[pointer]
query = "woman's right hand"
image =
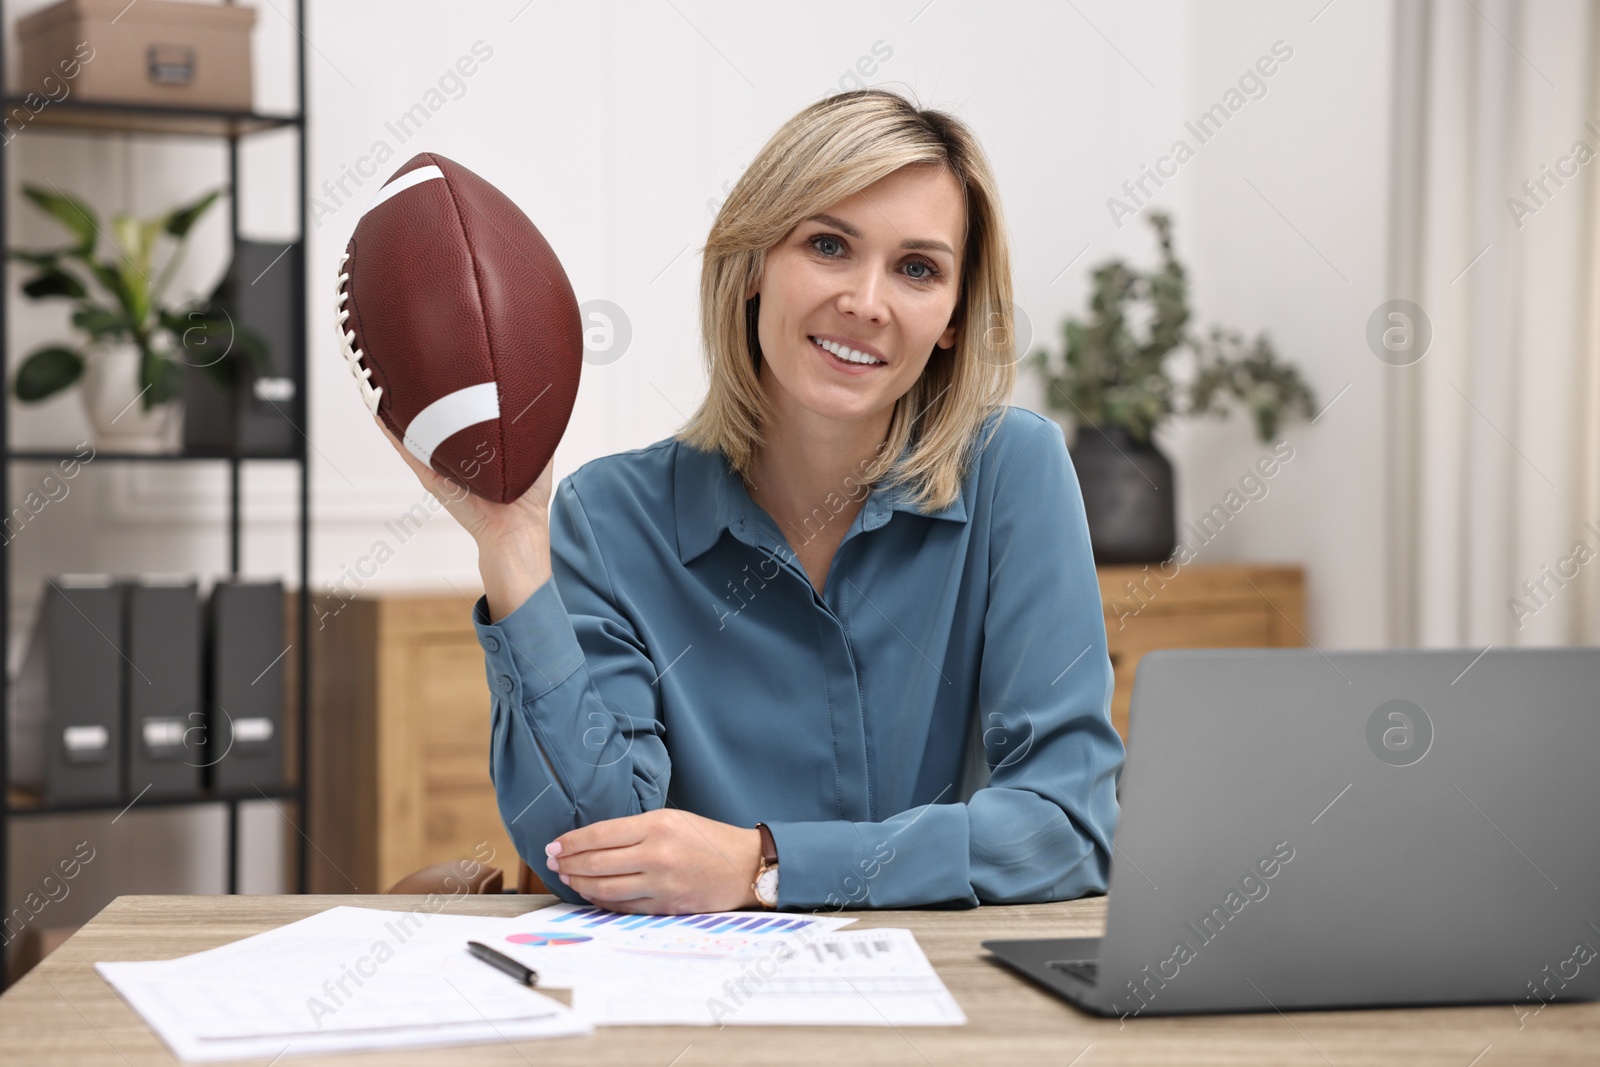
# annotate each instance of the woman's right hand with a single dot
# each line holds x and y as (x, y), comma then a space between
(513, 539)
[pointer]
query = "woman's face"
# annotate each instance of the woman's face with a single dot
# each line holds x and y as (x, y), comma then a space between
(877, 272)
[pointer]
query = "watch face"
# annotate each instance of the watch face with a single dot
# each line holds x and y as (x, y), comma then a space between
(767, 887)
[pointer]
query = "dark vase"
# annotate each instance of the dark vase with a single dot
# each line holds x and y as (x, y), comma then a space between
(1128, 495)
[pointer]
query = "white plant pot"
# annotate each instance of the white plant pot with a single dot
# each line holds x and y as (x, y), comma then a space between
(113, 401)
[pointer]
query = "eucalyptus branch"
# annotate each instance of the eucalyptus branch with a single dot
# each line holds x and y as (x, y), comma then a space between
(1112, 374)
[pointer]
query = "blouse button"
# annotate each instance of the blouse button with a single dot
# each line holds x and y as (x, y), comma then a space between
(505, 683)
(490, 643)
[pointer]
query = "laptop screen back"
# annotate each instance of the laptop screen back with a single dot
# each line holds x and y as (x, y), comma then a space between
(1357, 827)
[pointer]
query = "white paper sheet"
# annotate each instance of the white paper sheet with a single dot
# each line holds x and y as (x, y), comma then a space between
(344, 979)
(850, 977)
(350, 979)
(572, 945)
(732, 968)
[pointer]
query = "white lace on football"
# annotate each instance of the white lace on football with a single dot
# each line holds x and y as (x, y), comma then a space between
(347, 341)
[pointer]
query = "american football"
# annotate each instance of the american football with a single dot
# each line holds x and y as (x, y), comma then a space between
(461, 327)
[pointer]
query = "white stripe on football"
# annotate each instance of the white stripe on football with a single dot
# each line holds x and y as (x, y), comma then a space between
(404, 182)
(451, 414)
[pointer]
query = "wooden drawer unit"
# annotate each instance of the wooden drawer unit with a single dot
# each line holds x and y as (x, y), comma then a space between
(1197, 607)
(400, 709)
(400, 732)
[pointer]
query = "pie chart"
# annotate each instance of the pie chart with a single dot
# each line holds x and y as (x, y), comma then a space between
(548, 940)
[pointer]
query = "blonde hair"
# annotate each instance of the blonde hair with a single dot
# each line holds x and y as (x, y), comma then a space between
(826, 153)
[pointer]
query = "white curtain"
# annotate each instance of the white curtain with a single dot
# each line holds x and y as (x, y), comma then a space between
(1492, 498)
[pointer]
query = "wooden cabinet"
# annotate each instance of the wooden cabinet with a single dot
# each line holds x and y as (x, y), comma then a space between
(400, 709)
(400, 742)
(1220, 606)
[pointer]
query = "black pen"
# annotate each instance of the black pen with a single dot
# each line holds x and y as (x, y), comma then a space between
(499, 960)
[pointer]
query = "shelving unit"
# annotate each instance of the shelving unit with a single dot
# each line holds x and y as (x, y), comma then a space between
(76, 118)
(149, 118)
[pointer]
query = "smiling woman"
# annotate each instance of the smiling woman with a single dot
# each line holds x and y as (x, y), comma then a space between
(908, 550)
(851, 216)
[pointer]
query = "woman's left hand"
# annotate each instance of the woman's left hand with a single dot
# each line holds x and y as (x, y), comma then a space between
(664, 862)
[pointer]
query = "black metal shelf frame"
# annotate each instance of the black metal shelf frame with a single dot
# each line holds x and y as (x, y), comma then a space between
(75, 808)
(81, 119)
(79, 115)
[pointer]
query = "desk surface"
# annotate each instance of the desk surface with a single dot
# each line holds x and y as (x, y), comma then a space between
(62, 1012)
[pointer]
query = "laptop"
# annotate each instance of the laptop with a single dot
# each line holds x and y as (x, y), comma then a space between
(1349, 829)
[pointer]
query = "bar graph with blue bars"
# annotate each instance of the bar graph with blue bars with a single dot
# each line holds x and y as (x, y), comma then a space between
(589, 918)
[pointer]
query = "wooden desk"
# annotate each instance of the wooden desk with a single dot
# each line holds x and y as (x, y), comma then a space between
(62, 1012)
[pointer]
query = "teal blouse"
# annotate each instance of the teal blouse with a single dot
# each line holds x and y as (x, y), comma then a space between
(932, 729)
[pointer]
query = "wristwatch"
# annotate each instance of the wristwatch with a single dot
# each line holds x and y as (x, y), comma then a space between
(766, 883)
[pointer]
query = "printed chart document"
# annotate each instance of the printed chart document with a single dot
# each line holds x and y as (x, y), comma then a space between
(345, 979)
(731, 968)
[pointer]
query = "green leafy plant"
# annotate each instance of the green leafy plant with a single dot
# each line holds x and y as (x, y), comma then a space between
(120, 296)
(1118, 365)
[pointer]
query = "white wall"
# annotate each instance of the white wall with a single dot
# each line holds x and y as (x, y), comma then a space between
(618, 129)
(1300, 255)
(617, 126)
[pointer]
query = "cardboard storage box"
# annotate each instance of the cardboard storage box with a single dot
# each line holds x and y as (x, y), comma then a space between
(151, 52)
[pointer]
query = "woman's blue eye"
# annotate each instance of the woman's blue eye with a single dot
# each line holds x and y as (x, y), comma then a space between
(930, 270)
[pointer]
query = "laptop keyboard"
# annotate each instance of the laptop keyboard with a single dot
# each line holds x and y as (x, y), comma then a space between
(1085, 971)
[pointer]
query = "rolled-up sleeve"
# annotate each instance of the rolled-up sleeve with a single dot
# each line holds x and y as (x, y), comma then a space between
(561, 755)
(1041, 829)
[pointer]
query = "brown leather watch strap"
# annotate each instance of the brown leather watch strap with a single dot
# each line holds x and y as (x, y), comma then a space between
(769, 848)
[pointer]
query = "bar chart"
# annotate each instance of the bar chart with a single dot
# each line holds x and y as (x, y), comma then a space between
(717, 923)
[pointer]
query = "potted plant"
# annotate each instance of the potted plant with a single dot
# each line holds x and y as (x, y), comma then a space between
(1121, 376)
(133, 342)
